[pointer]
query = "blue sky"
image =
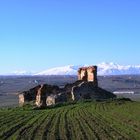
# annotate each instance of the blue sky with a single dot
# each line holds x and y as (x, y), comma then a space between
(40, 34)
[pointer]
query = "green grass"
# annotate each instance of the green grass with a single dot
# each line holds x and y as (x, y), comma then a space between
(118, 120)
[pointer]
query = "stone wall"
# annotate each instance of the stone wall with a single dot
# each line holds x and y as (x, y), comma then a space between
(87, 90)
(21, 99)
(51, 100)
(43, 95)
(88, 74)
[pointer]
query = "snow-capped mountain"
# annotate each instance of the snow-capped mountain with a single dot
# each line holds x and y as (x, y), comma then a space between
(66, 70)
(116, 69)
(103, 69)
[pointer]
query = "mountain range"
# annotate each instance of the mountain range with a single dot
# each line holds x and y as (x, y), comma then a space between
(103, 69)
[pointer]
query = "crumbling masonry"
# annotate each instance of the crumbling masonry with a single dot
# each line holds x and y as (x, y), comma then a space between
(88, 74)
(85, 88)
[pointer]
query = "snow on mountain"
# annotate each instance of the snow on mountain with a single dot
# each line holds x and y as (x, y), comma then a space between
(21, 72)
(103, 69)
(66, 70)
(115, 69)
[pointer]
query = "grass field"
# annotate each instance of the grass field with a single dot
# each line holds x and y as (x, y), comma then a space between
(118, 120)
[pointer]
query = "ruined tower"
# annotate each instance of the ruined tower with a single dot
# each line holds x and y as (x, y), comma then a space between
(88, 74)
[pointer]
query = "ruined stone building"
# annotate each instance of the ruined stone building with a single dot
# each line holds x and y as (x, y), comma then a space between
(88, 74)
(85, 88)
(42, 95)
